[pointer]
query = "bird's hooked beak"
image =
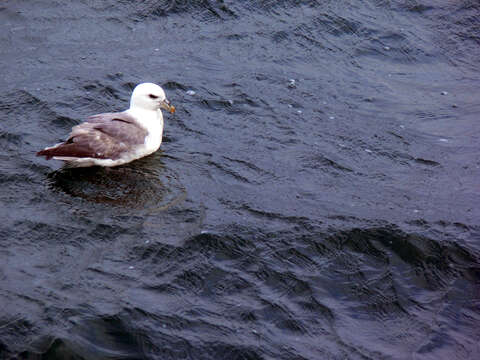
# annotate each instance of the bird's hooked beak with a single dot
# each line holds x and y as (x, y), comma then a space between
(165, 104)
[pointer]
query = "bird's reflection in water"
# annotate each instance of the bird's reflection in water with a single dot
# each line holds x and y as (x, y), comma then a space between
(143, 184)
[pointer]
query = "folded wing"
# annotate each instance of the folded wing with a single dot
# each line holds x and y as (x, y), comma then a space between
(103, 136)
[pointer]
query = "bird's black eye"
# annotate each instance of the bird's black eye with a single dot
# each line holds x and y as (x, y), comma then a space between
(151, 96)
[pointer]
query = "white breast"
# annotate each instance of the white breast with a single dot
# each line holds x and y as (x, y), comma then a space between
(152, 121)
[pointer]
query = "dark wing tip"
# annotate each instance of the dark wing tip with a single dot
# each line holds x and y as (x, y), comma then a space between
(45, 153)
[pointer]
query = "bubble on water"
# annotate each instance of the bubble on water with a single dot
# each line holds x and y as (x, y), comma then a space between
(190, 92)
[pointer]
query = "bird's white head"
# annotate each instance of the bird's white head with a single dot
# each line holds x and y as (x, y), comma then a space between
(149, 96)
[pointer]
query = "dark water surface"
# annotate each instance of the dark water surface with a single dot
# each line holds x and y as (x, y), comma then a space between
(316, 197)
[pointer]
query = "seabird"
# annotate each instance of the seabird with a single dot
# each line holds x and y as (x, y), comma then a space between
(112, 139)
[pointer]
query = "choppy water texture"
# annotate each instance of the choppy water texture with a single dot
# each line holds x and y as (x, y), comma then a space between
(316, 196)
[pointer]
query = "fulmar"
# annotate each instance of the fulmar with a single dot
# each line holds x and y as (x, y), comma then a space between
(112, 139)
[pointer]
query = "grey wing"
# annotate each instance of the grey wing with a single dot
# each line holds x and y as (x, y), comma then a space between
(119, 126)
(103, 136)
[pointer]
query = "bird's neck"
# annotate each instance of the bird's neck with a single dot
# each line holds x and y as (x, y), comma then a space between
(152, 120)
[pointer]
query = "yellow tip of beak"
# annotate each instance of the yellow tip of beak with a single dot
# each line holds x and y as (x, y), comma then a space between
(172, 109)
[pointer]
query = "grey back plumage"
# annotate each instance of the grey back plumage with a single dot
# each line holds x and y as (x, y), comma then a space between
(102, 136)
